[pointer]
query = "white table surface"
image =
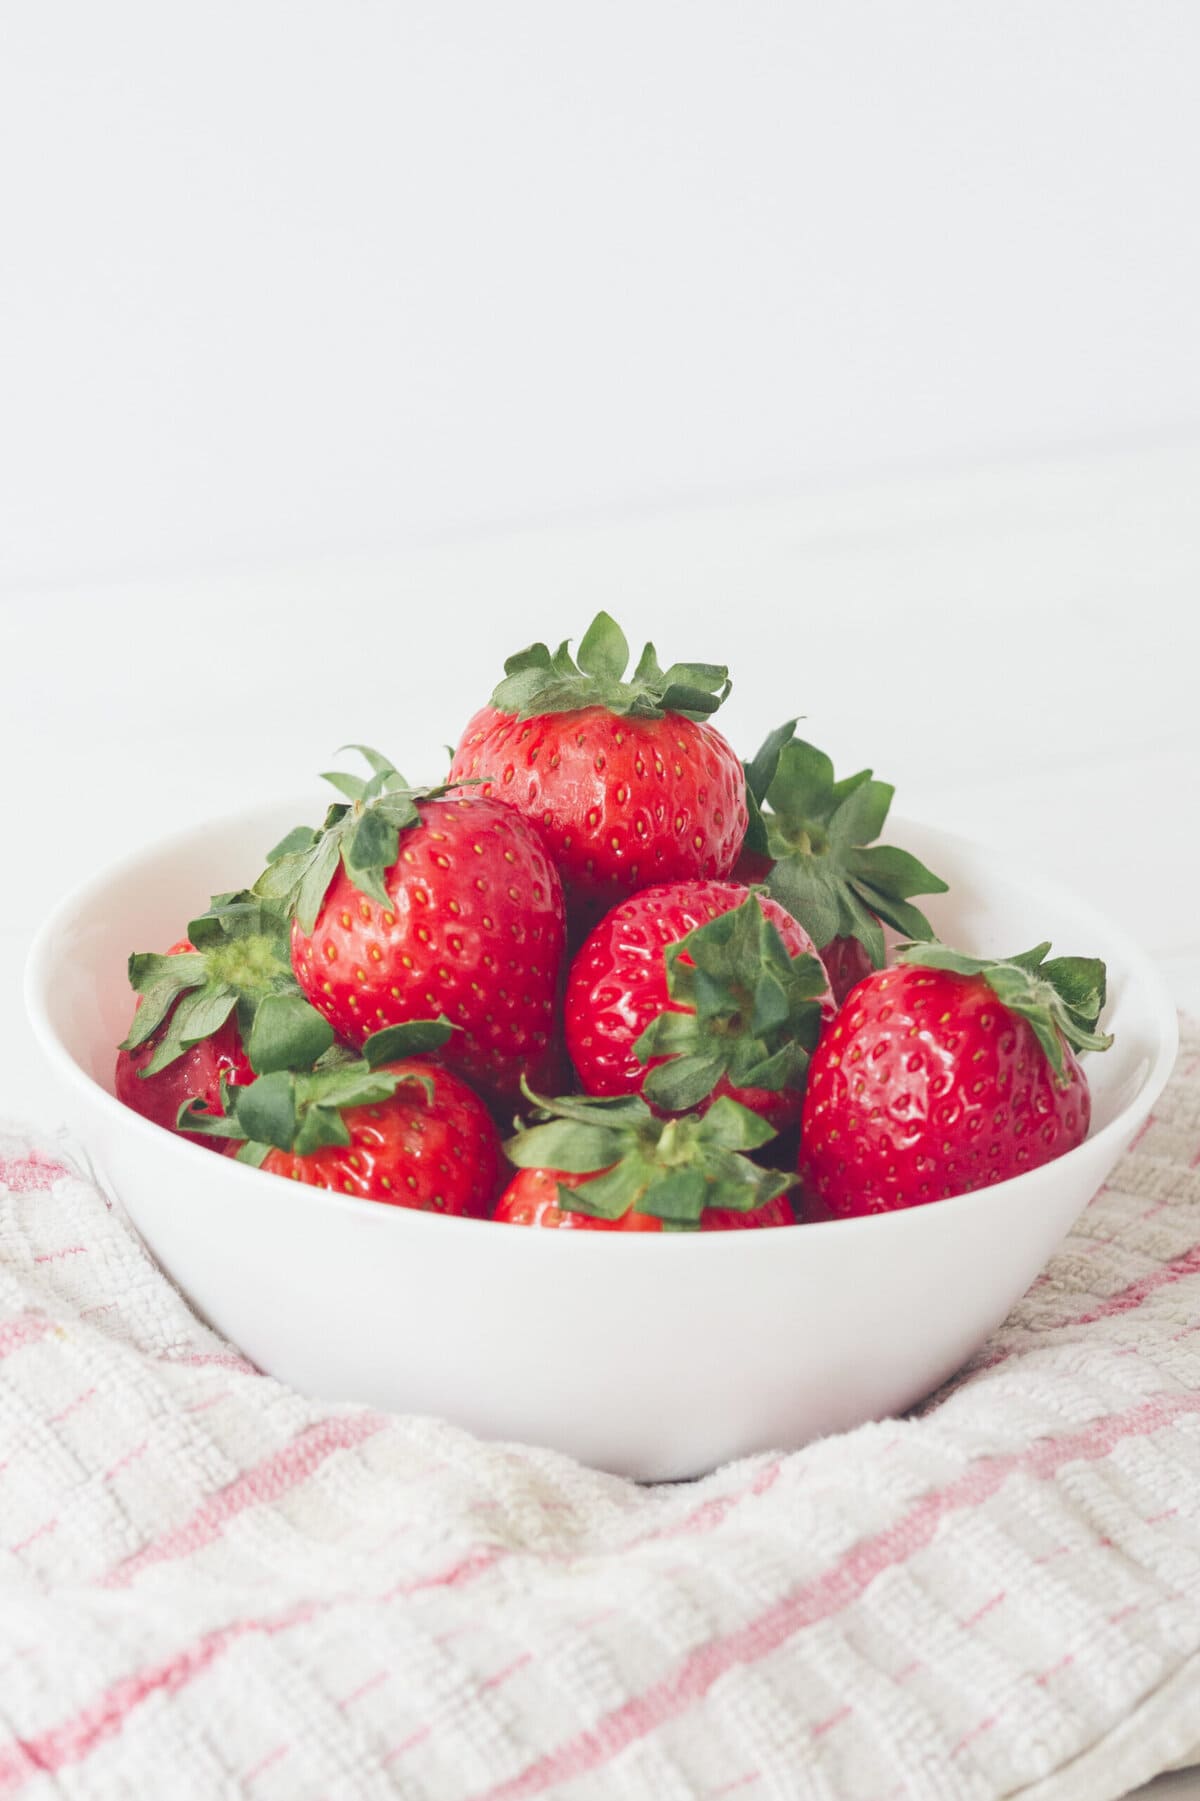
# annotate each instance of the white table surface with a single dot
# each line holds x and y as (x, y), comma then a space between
(1016, 648)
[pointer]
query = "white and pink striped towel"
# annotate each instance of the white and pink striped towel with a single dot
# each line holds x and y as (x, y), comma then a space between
(210, 1586)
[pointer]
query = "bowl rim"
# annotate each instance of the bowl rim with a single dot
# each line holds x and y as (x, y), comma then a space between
(38, 975)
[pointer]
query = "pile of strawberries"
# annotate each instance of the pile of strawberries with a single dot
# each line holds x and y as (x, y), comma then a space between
(663, 971)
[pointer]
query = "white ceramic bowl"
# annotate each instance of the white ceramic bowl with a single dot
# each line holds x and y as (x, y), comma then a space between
(654, 1356)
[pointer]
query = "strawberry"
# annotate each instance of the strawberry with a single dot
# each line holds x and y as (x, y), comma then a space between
(948, 1073)
(847, 961)
(696, 989)
(812, 840)
(628, 784)
(198, 1006)
(611, 1165)
(198, 1073)
(408, 902)
(387, 1127)
(534, 1197)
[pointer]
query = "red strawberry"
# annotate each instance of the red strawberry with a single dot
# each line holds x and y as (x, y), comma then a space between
(949, 1073)
(407, 904)
(752, 867)
(194, 1026)
(627, 1171)
(847, 961)
(403, 1131)
(197, 1074)
(695, 989)
(812, 840)
(534, 1198)
(627, 783)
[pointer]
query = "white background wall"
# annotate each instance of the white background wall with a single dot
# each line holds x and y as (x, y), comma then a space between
(283, 277)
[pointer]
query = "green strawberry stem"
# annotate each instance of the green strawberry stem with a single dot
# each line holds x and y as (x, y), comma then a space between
(538, 680)
(673, 1169)
(820, 834)
(363, 833)
(241, 961)
(1062, 999)
(301, 1110)
(753, 1012)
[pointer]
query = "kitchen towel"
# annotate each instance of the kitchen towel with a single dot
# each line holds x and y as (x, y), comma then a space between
(212, 1586)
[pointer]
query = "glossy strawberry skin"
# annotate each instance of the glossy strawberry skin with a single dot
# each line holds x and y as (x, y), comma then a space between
(617, 984)
(196, 1075)
(623, 802)
(927, 1087)
(435, 1150)
(531, 1199)
(477, 931)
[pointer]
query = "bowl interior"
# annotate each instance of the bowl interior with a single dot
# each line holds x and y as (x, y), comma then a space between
(81, 1003)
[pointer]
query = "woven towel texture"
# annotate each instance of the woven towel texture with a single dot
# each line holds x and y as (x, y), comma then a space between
(211, 1586)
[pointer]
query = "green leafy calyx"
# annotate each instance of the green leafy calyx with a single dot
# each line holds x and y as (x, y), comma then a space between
(752, 1012)
(828, 870)
(363, 833)
(301, 1110)
(1061, 997)
(673, 1169)
(538, 680)
(240, 965)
